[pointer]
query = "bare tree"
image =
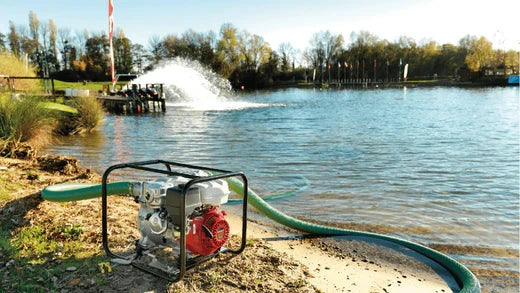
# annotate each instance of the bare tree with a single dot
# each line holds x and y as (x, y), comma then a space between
(53, 37)
(155, 46)
(44, 29)
(14, 39)
(64, 38)
(287, 55)
(80, 39)
(34, 25)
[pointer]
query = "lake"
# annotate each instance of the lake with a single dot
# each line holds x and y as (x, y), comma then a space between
(438, 166)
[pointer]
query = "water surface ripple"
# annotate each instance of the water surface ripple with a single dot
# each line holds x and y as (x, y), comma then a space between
(438, 166)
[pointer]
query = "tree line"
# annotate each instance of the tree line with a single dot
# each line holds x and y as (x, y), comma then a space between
(247, 59)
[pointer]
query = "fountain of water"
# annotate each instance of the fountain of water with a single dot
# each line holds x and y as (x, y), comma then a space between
(189, 85)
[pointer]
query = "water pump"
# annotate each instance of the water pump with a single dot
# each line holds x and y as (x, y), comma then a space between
(180, 218)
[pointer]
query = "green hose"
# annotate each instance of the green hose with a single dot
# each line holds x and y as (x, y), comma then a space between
(79, 191)
(464, 277)
(278, 195)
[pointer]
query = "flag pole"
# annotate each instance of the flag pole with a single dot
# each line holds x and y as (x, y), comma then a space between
(110, 35)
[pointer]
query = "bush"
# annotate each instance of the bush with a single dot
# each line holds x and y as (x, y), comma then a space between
(23, 121)
(88, 118)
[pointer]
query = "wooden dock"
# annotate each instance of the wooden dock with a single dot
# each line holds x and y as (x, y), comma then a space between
(129, 105)
(136, 100)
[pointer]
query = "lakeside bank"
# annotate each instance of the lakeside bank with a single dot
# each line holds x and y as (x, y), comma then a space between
(57, 246)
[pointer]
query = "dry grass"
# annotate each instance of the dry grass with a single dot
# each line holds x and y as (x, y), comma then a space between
(90, 113)
(12, 65)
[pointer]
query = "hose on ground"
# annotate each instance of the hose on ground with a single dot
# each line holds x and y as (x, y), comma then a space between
(464, 277)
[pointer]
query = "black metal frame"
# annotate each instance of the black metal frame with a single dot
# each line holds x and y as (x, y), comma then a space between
(143, 166)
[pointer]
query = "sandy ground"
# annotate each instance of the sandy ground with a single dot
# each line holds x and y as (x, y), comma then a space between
(275, 260)
(355, 264)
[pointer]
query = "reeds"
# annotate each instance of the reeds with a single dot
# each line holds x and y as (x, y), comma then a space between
(90, 113)
(87, 119)
(23, 121)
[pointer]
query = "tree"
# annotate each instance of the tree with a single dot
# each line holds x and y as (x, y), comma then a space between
(3, 45)
(65, 47)
(427, 57)
(138, 57)
(270, 68)
(155, 47)
(44, 29)
(253, 51)
(123, 62)
(287, 56)
(170, 47)
(511, 60)
(447, 63)
(326, 46)
(80, 41)
(207, 45)
(53, 37)
(34, 26)
(228, 49)
(480, 54)
(14, 39)
(96, 57)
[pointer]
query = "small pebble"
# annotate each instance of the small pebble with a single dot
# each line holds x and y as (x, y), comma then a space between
(71, 269)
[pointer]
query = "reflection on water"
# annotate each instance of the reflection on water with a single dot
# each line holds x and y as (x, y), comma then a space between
(439, 165)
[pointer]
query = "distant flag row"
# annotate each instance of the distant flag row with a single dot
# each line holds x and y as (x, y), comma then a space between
(357, 63)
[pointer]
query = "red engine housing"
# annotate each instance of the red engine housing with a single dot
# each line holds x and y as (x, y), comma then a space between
(208, 232)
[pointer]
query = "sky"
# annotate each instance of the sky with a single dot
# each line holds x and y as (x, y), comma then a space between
(277, 21)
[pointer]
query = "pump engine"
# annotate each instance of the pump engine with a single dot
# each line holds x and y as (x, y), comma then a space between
(179, 217)
(159, 213)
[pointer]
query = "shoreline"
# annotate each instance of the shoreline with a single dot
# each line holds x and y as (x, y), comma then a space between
(308, 85)
(303, 264)
(383, 85)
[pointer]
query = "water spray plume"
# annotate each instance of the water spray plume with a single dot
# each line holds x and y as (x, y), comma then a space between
(191, 86)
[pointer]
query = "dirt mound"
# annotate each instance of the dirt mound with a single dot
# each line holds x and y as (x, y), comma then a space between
(17, 150)
(59, 164)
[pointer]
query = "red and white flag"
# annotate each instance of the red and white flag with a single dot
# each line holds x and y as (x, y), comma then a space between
(110, 35)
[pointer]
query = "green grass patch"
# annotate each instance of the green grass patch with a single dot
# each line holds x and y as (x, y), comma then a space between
(38, 242)
(7, 187)
(59, 107)
(40, 254)
(39, 278)
(5, 244)
(92, 85)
